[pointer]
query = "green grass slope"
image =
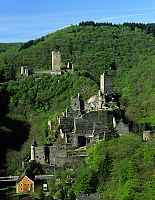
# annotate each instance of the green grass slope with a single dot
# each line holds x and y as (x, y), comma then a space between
(119, 169)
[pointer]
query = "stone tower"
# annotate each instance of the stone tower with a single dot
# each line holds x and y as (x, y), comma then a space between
(102, 83)
(22, 70)
(33, 145)
(106, 84)
(114, 122)
(102, 92)
(100, 100)
(56, 61)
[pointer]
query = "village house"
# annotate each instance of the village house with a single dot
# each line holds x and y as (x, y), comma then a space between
(24, 185)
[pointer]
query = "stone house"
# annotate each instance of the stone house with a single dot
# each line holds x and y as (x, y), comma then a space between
(57, 156)
(87, 121)
(80, 131)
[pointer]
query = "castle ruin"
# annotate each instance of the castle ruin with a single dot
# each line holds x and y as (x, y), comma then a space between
(83, 123)
(57, 67)
(25, 71)
(98, 102)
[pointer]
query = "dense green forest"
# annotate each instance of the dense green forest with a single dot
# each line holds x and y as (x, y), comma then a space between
(127, 52)
(127, 49)
(5, 47)
(119, 169)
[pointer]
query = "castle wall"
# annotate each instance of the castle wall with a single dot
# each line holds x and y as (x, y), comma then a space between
(58, 156)
(100, 117)
(40, 154)
(102, 83)
(147, 136)
(108, 85)
(122, 128)
(32, 153)
(105, 84)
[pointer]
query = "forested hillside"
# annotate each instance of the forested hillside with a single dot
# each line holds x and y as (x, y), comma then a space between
(4, 47)
(128, 51)
(94, 48)
(119, 169)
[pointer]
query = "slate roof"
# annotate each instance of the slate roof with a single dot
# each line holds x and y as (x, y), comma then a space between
(98, 120)
(21, 177)
(82, 124)
(66, 124)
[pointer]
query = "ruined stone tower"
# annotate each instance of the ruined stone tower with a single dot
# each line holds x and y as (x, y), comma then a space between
(102, 84)
(56, 61)
(106, 84)
(100, 100)
(102, 92)
(33, 145)
(22, 70)
(32, 153)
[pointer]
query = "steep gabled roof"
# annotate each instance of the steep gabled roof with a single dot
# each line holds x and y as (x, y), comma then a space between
(21, 177)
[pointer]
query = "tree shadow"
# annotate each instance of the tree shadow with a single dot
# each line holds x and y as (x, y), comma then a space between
(13, 133)
(4, 102)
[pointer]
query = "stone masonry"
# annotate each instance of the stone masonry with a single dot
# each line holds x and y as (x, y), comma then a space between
(56, 62)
